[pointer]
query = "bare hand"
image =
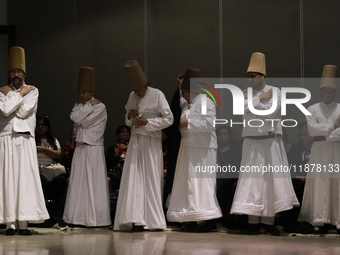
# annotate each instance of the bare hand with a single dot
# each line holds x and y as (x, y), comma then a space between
(183, 124)
(141, 122)
(180, 79)
(122, 147)
(26, 89)
(133, 113)
(94, 102)
(41, 149)
(6, 89)
(245, 96)
(337, 123)
(266, 95)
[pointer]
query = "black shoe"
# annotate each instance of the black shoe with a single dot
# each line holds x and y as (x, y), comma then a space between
(25, 232)
(137, 228)
(271, 229)
(251, 229)
(322, 230)
(205, 226)
(10, 232)
(188, 226)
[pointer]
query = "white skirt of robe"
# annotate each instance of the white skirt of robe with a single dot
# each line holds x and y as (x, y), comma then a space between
(21, 195)
(263, 194)
(140, 194)
(193, 198)
(321, 197)
(88, 201)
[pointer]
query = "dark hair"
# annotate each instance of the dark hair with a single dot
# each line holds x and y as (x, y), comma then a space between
(229, 129)
(49, 136)
(121, 128)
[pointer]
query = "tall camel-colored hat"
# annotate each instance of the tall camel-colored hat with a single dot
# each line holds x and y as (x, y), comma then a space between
(329, 75)
(86, 79)
(16, 59)
(135, 75)
(257, 63)
(191, 72)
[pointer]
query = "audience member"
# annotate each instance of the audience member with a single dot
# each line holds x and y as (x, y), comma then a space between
(229, 156)
(52, 173)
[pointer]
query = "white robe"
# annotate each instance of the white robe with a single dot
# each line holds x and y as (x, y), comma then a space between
(88, 201)
(321, 197)
(21, 195)
(193, 195)
(140, 194)
(260, 194)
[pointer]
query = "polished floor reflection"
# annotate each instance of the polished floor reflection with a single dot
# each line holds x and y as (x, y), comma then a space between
(104, 241)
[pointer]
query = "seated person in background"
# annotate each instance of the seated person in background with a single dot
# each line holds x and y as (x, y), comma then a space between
(116, 154)
(228, 155)
(52, 173)
(115, 158)
(298, 157)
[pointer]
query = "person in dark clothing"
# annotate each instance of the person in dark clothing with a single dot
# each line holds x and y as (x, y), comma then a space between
(115, 158)
(174, 136)
(229, 155)
(298, 157)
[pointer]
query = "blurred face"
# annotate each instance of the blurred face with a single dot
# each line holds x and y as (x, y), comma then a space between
(16, 77)
(85, 95)
(327, 95)
(124, 134)
(141, 92)
(41, 129)
(223, 137)
(256, 80)
(305, 138)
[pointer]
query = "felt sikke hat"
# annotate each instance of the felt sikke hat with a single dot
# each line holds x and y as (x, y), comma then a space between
(257, 63)
(329, 75)
(191, 72)
(86, 79)
(16, 59)
(135, 75)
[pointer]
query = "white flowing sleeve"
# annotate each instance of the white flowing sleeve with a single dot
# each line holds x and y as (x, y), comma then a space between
(86, 115)
(206, 122)
(257, 104)
(30, 104)
(166, 118)
(80, 112)
(10, 102)
(315, 128)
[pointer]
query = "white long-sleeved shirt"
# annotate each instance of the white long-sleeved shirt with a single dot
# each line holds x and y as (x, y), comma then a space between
(89, 122)
(200, 131)
(154, 107)
(18, 113)
(321, 122)
(268, 126)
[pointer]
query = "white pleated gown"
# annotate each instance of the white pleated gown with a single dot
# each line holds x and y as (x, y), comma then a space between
(260, 194)
(193, 196)
(87, 201)
(320, 203)
(140, 193)
(21, 195)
